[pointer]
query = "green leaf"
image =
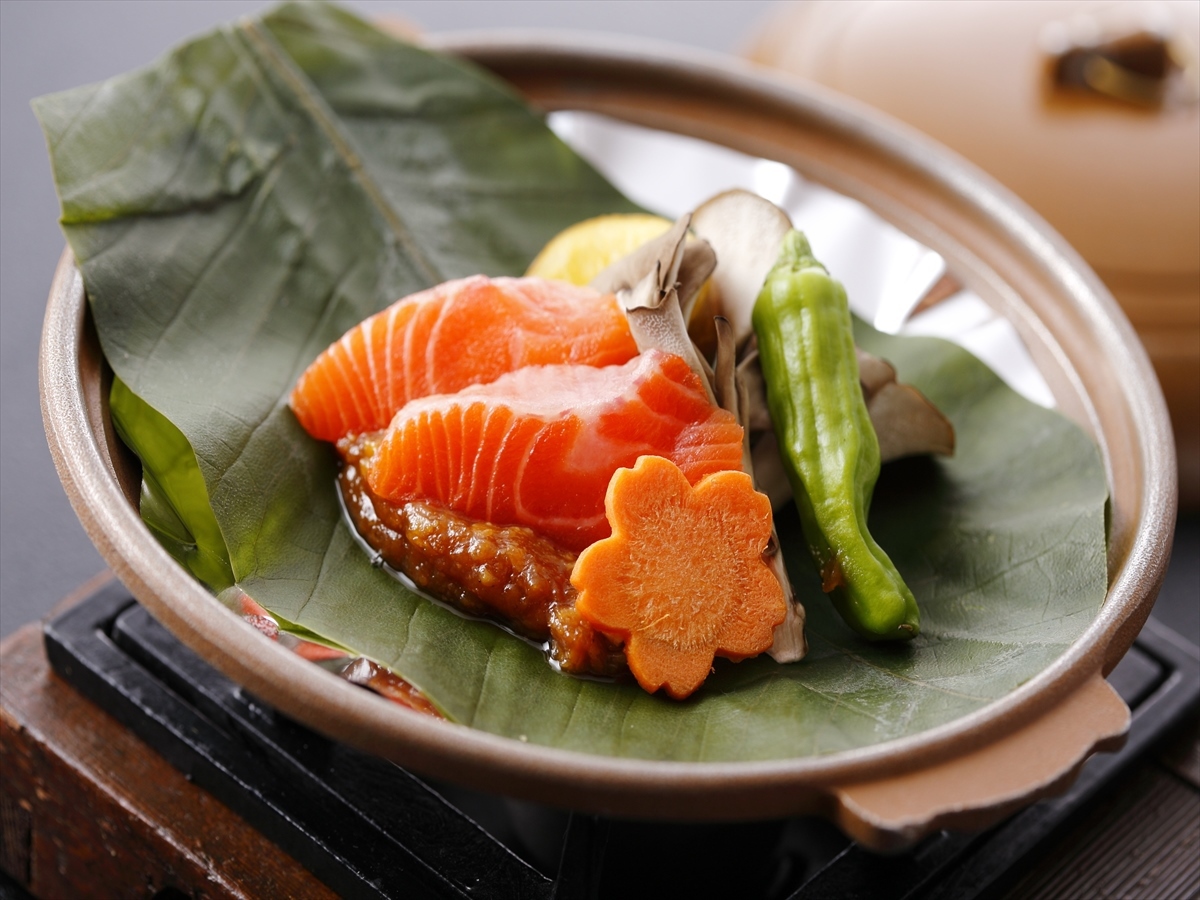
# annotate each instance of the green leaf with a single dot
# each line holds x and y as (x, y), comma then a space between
(240, 204)
(174, 500)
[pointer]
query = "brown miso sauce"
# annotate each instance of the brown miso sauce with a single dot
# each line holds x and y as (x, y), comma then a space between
(507, 575)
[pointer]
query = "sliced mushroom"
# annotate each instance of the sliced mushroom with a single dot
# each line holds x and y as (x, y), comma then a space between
(695, 267)
(905, 422)
(648, 285)
(751, 376)
(647, 282)
(660, 280)
(789, 644)
(746, 232)
(770, 477)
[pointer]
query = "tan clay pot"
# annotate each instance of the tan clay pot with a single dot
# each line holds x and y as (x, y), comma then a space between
(1118, 178)
(966, 774)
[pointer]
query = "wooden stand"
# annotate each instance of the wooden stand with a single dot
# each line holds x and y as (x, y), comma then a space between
(88, 810)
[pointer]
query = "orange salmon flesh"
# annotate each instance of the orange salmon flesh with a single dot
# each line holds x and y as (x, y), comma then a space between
(457, 334)
(538, 446)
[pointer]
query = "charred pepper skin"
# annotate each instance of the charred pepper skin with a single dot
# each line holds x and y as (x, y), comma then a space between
(829, 447)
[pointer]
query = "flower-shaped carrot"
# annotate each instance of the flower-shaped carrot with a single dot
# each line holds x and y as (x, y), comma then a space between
(682, 578)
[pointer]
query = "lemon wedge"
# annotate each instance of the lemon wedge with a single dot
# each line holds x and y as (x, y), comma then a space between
(581, 252)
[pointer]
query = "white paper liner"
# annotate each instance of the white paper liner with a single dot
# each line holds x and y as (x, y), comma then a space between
(886, 272)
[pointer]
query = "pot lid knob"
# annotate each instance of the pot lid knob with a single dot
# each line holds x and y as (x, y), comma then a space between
(1131, 53)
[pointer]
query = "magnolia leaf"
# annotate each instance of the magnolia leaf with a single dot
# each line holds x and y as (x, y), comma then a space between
(174, 500)
(237, 206)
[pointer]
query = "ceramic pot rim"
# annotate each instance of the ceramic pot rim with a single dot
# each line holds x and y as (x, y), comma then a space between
(642, 787)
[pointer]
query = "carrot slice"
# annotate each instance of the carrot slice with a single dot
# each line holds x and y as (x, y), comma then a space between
(682, 578)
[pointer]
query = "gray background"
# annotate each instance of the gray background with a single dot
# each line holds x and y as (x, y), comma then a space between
(51, 46)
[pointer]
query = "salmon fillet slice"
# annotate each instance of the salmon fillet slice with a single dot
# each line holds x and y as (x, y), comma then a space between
(461, 333)
(537, 447)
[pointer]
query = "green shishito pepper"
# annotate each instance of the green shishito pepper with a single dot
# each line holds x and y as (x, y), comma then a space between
(826, 439)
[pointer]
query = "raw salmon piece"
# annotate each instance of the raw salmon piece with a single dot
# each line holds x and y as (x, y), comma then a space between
(538, 446)
(459, 333)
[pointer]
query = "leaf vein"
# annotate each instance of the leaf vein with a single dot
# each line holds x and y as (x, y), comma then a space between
(950, 692)
(309, 99)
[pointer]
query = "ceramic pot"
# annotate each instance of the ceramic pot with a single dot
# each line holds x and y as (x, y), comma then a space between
(966, 774)
(1088, 109)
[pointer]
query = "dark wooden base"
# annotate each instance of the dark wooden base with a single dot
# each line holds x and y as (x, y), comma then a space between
(88, 810)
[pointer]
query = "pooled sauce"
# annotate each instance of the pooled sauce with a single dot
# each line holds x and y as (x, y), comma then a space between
(386, 683)
(360, 671)
(509, 574)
